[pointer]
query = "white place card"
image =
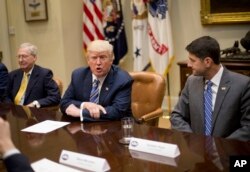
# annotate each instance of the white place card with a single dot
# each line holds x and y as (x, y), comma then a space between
(154, 147)
(46, 165)
(45, 126)
(82, 161)
(153, 157)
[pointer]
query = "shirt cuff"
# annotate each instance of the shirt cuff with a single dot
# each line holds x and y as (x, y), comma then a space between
(10, 153)
(81, 116)
(82, 105)
(36, 104)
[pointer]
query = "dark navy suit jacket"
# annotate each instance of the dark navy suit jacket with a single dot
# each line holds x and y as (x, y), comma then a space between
(17, 163)
(41, 87)
(3, 81)
(115, 95)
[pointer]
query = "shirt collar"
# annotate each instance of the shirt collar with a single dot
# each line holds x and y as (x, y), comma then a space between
(217, 77)
(30, 72)
(101, 80)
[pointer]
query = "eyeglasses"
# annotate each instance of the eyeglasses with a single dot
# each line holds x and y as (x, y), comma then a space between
(102, 58)
(23, 56)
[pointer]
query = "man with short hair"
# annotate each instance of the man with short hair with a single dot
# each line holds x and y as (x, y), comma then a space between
(101, 91)
(214, 101)
(32, 85)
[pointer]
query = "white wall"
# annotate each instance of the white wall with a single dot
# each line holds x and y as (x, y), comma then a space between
(59, 39)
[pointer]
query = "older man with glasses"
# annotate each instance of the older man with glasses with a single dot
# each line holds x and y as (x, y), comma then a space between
(100, 91)
(32, 85)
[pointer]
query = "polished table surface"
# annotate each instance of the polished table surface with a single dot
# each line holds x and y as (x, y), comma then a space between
(101, 139)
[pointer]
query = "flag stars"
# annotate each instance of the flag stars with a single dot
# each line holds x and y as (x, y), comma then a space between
(137, 52)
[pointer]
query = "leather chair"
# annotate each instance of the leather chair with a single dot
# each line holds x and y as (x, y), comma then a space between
(59, 84)
(148, 91)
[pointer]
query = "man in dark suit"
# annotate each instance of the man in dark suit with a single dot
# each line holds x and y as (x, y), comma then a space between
(230, 92)
(12, 158)
(112, 99)
(3, 81)
(32, 85)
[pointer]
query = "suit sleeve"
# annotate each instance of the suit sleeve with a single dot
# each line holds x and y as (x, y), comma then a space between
(68, 98)
(180, 117)
(243, 133)
(3, 82)
(17, 163)
(53, 96)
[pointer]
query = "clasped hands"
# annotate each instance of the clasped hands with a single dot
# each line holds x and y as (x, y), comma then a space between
(93, 108)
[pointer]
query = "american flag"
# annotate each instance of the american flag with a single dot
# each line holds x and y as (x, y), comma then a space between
(92, 21)
(103, 19)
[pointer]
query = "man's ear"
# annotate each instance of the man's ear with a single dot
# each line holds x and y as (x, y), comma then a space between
(208, 61)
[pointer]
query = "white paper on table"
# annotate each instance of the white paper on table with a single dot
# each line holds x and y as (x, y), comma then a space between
(46, 165)
(45, 126)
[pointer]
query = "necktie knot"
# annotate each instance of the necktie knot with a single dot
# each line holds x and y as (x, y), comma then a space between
(209, 84)
(96, 83)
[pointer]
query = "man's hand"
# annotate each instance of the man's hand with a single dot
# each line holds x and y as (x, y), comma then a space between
(5, 137)
(72, 110)
(94, 109)
(30, 105)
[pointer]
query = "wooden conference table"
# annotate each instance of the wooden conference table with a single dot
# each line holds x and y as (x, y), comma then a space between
(101, 139)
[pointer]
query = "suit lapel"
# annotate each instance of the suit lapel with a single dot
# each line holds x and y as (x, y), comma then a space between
(86, 89)
(200, 102)
(107, 84)
(221, 94)
(32, 81)
(17, 81)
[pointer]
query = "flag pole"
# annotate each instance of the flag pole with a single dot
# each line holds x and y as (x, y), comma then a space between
(146, 67)
(168, 98)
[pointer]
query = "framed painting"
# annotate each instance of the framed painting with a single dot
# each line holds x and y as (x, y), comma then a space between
(35, 10)
(225, 11)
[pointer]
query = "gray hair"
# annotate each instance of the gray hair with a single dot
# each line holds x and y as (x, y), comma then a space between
(30, 47)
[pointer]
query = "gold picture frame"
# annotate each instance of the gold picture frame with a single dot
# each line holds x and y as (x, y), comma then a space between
(35, 10)
(225, 11)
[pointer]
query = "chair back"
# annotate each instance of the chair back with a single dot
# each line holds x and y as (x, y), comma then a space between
(148, 91)
(59, 84)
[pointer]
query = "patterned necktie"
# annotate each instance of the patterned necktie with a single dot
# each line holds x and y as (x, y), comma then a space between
(208, 108)
(94, 95)
(20, 94)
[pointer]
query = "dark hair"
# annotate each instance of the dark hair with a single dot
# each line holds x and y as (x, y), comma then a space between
(205, 46)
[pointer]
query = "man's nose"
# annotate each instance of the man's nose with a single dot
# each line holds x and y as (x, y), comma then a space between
(98, 60)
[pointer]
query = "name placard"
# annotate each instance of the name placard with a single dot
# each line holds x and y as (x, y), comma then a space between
(153, 157)
(154, 147)
(83, 161)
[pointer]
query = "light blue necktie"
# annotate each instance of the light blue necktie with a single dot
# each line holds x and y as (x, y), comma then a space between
(208, 109)
(94, 95)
